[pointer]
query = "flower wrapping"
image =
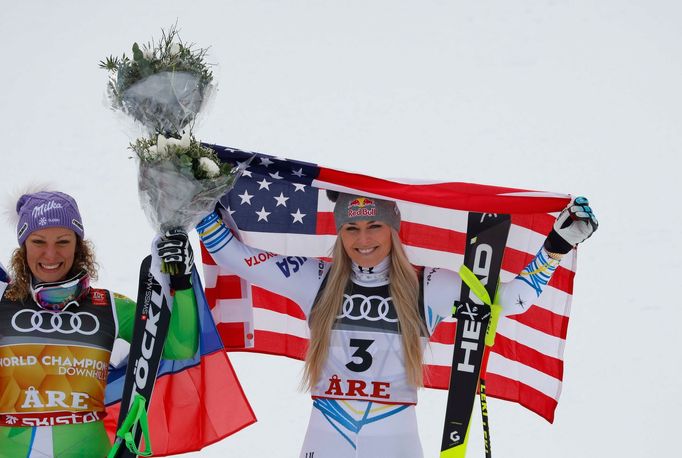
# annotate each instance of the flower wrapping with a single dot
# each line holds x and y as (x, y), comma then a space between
(165, 102)
(163, 87)
(172, 197)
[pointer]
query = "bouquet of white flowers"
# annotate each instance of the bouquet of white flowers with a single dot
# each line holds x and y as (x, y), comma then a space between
(179, 181)
(163, 88)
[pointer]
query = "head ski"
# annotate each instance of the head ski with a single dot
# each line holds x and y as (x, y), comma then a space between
(486, 239)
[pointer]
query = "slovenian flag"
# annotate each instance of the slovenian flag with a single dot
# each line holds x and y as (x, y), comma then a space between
(196, 402)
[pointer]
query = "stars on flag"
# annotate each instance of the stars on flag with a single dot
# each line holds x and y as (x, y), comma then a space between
(246, 197)
(298, 216)
(265, 161)
(274, 195)
(281, 200)
(264, 184)
(262, 214)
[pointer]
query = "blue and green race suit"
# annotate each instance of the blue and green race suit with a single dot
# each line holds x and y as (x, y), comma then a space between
(54, 366)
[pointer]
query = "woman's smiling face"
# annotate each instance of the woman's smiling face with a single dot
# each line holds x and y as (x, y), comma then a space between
(50, 253)
(367, 243)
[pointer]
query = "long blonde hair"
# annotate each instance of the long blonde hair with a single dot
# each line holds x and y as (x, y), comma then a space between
(19, 288)
(404, 291)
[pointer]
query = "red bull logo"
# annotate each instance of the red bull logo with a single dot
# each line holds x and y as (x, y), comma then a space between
(362, 206)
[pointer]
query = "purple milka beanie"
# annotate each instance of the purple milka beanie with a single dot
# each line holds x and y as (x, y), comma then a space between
(47, 209)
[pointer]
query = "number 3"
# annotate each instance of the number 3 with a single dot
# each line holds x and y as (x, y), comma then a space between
(366, 358)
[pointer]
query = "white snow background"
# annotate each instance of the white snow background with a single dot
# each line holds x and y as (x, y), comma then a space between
(580, 97)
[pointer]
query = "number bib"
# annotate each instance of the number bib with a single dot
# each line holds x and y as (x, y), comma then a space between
(54, 365)
(365, 360)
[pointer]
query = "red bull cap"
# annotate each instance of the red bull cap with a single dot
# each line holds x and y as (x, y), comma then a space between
(351, 208)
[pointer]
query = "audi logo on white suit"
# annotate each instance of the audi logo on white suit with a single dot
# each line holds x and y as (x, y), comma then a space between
(60, 322)
(364, 310)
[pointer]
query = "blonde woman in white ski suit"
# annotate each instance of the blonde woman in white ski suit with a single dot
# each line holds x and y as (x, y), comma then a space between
(370, 315)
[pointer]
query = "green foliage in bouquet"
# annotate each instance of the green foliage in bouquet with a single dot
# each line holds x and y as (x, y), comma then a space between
(169, 54)
(186, 153)
(163, 87)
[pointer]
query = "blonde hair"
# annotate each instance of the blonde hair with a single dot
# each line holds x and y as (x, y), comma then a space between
(19, 288)
(404, 291)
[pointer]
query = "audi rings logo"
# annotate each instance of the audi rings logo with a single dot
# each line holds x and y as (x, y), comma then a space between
(60, 322)
(370, 308)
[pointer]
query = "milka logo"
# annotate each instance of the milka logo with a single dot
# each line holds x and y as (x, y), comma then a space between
(42, 208)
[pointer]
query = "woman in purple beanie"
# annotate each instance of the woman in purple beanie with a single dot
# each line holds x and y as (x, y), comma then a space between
(57, 332)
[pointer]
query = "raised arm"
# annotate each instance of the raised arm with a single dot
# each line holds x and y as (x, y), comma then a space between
(182, 340)
(298, 278)
(574, 225)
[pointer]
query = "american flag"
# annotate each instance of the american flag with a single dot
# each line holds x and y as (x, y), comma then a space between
(280, 206)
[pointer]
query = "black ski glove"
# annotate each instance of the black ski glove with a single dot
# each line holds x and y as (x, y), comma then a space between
(176, 252)
(575, 224)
